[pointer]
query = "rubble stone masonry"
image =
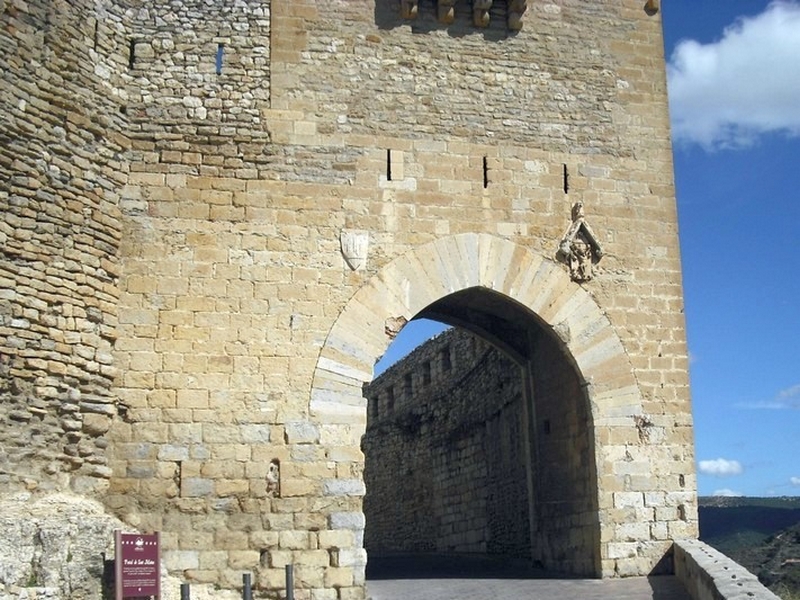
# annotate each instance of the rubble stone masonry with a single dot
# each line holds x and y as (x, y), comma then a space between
(215, 215)
(444, 454)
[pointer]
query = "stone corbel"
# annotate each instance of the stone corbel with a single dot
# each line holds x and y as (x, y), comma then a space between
(516, 8)
(480, 12)
(579, 248)
(409, 8)
(446, 11)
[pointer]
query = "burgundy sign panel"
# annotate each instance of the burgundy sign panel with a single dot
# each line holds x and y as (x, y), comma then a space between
(137, 565)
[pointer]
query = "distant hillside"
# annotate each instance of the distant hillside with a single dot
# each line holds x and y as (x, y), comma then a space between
(762, 534)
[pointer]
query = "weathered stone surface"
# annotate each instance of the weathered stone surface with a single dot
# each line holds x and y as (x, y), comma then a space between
(175, 179)
(707, 574)
(55, 546)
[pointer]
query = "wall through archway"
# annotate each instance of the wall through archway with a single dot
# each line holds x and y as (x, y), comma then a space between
(540, 291)
(470, 449)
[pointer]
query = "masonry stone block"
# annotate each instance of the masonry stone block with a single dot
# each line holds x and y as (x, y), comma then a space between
(181, 560)
(351, 521)
(338, 577)
(301, 433)
(196, 487)
(173, 453)
(255, 433)
(295, 540)
(343, 487)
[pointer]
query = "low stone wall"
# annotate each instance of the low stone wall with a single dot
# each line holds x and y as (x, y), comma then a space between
(708, 574)
(444, 463)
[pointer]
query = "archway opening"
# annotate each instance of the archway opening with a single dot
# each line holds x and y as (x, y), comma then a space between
(479, 448)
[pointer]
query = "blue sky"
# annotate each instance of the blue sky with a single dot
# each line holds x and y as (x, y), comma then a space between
(734, 81)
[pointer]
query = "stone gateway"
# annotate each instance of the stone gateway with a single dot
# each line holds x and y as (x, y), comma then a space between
(217, 215)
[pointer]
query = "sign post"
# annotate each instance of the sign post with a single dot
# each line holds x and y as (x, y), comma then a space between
(137, 565)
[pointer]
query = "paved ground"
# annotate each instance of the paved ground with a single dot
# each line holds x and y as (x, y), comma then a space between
(438, 578)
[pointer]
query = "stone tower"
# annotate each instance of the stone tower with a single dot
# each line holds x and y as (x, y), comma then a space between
(216, 216)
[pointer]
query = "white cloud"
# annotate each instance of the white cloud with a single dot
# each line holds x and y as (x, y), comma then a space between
(788, 398)
(726, 492)
(727, 93)
(720, 467)
(794, 480)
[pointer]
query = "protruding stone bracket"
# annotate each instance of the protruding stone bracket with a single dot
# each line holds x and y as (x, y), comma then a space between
(446, 11)
(480, 12)
(409, 8)
(579, 248)
(394, 325)
(516, 8)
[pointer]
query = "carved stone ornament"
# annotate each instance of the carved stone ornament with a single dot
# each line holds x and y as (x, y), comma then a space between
(355, 247)
(393, 325)
(274, 479)
(579, 248)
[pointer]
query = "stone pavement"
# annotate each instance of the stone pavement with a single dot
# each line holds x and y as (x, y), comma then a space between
(435, 578)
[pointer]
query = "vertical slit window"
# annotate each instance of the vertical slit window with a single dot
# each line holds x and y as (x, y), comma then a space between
(132, 54)
(485, 173)
(388, 165)
(220, 56)
(375, 407)
(566, 179)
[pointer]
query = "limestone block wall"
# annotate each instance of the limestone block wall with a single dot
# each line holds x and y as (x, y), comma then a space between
(454, 466)
(564, 476)
(61, 163)
(197, 83)
(195, 63)
(486, 81)
(445, 468)
(172, 262)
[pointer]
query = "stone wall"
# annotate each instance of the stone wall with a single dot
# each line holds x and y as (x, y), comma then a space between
(454, 465)
(179, 322)
(565, 468)
(445, 468)
(61, 163)
(707, 574)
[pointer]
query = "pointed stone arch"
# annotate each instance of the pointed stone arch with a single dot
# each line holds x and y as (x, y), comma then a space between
(410, 283)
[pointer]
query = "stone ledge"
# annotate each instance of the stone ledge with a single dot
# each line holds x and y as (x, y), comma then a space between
(708, 574)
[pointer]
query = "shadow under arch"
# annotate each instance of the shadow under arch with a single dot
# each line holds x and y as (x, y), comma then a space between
(503, 292)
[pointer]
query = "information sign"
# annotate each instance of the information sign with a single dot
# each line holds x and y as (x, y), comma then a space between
(138, 560)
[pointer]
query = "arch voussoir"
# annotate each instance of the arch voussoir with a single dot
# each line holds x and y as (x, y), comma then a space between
(426, 274)
(429, 273)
